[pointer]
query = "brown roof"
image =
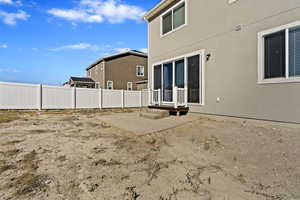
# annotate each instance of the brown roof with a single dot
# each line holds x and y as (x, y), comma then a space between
(118, 55)
(82, 79)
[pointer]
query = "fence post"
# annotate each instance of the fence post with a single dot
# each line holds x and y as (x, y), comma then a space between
(122, 96)
(74, 98)
(39, 97)
(141, 98)
(100, 98)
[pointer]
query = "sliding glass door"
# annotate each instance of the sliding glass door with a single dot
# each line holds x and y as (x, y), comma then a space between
(168, 82)
(185, 72)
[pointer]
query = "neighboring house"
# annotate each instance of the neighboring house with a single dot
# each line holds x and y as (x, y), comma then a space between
(127, 70)
(82, 82)
(233, 57)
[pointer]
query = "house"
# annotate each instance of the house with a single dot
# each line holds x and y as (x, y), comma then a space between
(126, 70)
(227, 57)
(82, 82)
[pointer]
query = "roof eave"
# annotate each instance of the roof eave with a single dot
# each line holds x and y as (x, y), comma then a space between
(154, 10)
(113, 55)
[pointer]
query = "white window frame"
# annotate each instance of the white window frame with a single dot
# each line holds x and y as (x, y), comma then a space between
(261, 52)
(202, 58)
(112, 85)
(137, 70)
(172, 9)
(131, 86)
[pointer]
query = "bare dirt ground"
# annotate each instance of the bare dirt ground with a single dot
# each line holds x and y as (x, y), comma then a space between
(66, 155)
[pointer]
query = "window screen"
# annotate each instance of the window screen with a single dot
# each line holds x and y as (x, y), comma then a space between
(194, 79)
(179, 15)
(294, 52)
(275, 55)
(167, 22)
(157, 77)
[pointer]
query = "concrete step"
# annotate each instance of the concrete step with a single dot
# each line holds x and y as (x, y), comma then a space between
(154, 113)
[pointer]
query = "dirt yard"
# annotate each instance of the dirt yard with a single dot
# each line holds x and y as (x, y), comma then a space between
(66, 155)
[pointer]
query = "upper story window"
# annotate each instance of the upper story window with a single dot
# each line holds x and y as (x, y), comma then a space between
(88, 73)
(279, 54)
(174, 18)
(140, 70)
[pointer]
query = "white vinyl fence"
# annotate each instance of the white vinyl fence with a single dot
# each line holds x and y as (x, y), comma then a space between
(29, 96)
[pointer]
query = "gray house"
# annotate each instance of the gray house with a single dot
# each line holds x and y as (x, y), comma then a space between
(227, 57)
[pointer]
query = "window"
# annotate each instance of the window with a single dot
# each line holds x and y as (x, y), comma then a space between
(129, 86)
(174, 18)
(179, 16)
(294, 52)
(279, 54)
(275, 55)
(140, 70)
(110, 85)
(167, 22)
(89, 73)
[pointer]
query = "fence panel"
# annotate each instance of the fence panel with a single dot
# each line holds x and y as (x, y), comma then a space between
(57, 97)
(132, 99)
(111, 98)
(145, 98)
(30, 96)
(87, 98)
(19, 96)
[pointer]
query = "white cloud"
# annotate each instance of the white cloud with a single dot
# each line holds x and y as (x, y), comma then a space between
(97, 11)
(76, 15)
(120, 50)
(9, 70)
(11, 18)
(6, 1)
(3, 46)
(145, 50)
(11, 2)
(79, 46)
(83, 46)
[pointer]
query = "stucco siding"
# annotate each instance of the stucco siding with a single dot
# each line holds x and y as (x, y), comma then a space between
(231, 72)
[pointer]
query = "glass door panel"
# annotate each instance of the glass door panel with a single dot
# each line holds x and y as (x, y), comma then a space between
(179, 73)
(168, 82)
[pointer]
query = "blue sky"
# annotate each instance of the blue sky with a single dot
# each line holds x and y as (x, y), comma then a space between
(46, 41)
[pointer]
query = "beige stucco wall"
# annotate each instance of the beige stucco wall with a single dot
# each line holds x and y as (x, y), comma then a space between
(231, 73)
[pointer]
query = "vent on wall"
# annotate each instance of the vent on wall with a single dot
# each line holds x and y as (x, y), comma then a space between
(232, 1)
